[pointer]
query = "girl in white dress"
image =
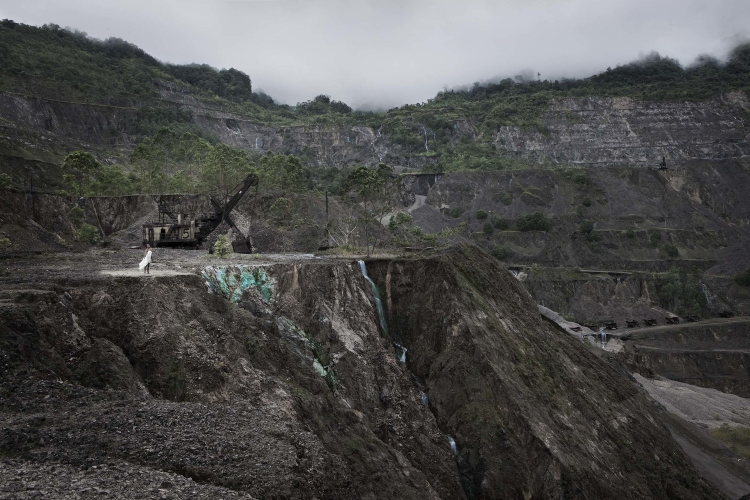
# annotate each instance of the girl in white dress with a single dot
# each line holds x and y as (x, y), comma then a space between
(145, 264)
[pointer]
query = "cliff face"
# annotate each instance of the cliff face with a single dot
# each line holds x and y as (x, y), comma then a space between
(282, 382)
(625, 131)
(711, 354)
(587, 131)
(698, 206)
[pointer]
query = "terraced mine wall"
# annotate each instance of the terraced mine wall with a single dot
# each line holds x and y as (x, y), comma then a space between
(279, 379)
(636, 215)
(714, 354)
(594, 297)
(628, 132)
(586, 131)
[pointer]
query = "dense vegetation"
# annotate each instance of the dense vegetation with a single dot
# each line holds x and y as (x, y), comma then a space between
(67, 65)
(680, 292)
(454, 131)
(452, 126)
(173, 162)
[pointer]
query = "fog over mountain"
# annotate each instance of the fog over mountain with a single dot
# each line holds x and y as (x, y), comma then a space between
(378, 54)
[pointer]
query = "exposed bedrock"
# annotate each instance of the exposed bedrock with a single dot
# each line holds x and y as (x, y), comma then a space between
(278, 380)
(713, 354)
(533, 413)
(591, 131)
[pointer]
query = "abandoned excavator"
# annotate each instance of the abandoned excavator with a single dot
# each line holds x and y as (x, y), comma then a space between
(175, 228)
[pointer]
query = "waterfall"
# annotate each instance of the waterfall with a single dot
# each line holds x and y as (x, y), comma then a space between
(603, 336)
(708, 296)
(452, 442)
(400, 352)
(378, 302)
(425, 399)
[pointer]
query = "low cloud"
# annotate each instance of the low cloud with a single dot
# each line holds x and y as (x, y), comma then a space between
(379, 54)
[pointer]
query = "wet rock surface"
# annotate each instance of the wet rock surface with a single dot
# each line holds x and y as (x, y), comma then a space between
(299, 393)
(156, 372)
(532, 411)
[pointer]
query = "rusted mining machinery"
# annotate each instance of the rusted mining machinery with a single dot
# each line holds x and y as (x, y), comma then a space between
(174, 228)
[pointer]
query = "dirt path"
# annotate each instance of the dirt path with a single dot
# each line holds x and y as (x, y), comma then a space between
(711, 470)
(689, 326)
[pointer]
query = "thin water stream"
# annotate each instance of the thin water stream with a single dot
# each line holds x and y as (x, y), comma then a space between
(378, 302)
(400, 349)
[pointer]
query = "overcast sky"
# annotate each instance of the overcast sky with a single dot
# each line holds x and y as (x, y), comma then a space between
(383, 53)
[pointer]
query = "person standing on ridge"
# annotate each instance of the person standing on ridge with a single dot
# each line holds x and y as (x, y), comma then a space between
(145, 264)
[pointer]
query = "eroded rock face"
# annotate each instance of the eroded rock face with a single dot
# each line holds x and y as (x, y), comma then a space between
(533, 413)
(298, 392)
(592, 131)
(712, 354)
(625, 131)
(234, 397)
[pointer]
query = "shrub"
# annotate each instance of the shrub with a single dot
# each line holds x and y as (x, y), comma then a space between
(5, 181)
(5, 243)
(76, 215)
(671, 250)
(630, 233)
(488, 228)
(88, 234)
(533, 222)
(654, 237)
(501, 223)
(222, 247)
(578, 176)
(500, 253)
(586, 226)
(281, 210)
(400, 219)
(481, 214)
(455, 212)
(581, 178)
(586, 202)
(507, 199)
(743, 279)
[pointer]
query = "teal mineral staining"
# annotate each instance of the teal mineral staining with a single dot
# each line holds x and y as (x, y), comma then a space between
(231, 281)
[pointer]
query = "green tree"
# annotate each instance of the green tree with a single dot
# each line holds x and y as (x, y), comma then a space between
(680, 292)
(281, 210)
(222, 247)
(500, 253)
(79, 171)
(283, 172)
(533, 222)
(400, 228)
(373, 191)
(224, 168)
(501, 223)
(586, 227)
(88, 234)
(671, 250)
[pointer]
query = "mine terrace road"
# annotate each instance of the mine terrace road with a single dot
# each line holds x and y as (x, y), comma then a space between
(626, 333)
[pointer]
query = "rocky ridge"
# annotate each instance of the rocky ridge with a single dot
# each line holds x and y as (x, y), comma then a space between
(304, 395)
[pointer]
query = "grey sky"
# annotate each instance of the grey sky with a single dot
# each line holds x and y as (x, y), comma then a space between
(388, 52)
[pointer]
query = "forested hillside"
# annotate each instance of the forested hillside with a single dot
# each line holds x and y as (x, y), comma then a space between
(160, 127)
